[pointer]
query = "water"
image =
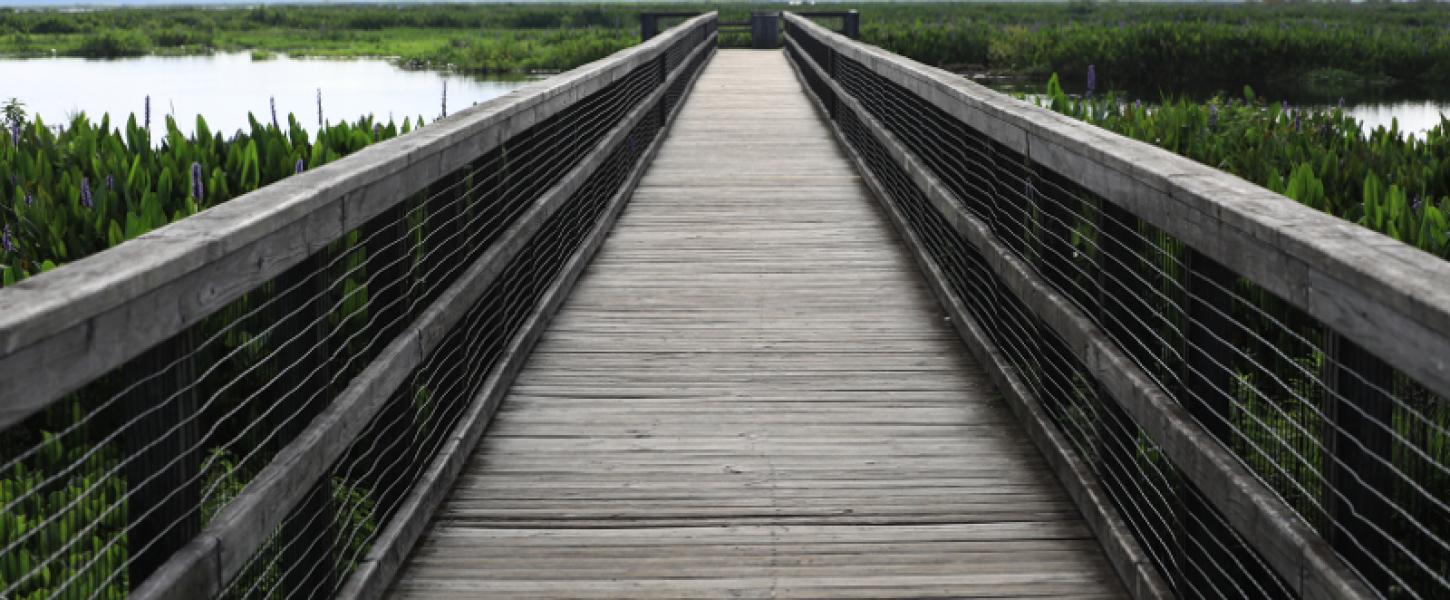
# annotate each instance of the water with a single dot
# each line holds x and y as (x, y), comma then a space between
(224, 87)
(1416, 116)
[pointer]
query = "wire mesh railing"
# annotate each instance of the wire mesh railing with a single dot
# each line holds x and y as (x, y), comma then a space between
(265, 445)
(1348, 444)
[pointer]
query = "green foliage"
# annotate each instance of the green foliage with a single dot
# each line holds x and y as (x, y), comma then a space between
(1178, 47)
(490, 38)
(137, 183)
(1385, 180)
(113, 44)
(68, 532)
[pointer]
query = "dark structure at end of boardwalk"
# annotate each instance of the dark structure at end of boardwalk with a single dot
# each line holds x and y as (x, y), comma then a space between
(1071, 365)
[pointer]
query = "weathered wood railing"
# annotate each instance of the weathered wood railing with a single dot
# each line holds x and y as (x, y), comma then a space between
(271, 397)
(1245, 396)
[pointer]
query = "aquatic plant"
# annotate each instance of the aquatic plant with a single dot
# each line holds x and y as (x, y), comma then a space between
(55, 214)
(1177, 47)
(1323, 159)
(197, 189)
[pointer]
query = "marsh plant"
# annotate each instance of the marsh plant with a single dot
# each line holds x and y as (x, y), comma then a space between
(53, 210)
(1384, 179)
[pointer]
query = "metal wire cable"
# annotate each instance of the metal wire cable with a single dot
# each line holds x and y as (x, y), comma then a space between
(133, 465)
(1285, 418)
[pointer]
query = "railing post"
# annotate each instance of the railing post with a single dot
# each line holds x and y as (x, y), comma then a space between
(1360, 451)
(833, 104)
(851, 24)
(1208, 354)
(649, 26)
(308, 536)
(163, 514)
(1117, 251)
(1047, 246)
(661, 107)
(765, 30)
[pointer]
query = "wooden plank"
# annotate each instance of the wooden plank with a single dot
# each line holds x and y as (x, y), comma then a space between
(751, 392)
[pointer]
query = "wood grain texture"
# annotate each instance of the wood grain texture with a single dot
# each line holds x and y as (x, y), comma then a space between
(751, 393)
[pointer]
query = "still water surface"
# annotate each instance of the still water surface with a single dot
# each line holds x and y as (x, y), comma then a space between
(224, 87)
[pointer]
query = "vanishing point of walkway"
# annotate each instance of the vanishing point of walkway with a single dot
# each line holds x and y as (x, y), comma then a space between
(751, 393)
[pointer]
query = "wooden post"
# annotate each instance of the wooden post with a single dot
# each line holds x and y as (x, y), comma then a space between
(1208, 385)
(1209, 351)
(649, 26)
(1117, 244)
(1048, 248)
(851, 24)
(833, 104)
(765, 30)
(1118, 247)
(172, 497)
(662, 107)
(1360, 451)
(308, 537)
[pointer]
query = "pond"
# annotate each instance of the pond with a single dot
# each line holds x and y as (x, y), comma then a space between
(224, 87)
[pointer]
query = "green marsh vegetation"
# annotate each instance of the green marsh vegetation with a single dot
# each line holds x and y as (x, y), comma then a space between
(1383, 179)
(474, 38)
(1327, 49)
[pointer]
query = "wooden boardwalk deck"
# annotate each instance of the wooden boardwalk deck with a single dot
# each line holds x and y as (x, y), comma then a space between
(751, 393)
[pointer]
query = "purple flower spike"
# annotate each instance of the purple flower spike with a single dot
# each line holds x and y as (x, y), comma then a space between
(1341, 103)
(86, 199)
(299, 167)
(5, 241)
(1212, 116)
(1092, 83)
(110, 182)
(445, 97)
(1137, 104)
(15, 135)
(1298, 121)
(319, 107)
(29, 199)
(197, 191)
(274, 112)
(148, 113)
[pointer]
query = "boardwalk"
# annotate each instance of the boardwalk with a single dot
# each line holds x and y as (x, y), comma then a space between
(751, 393)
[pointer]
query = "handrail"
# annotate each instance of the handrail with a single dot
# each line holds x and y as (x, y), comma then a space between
(62, 328)
(1136, 304)
(233, 387)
